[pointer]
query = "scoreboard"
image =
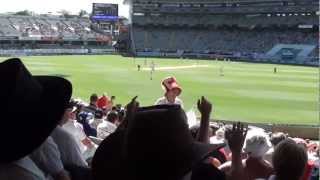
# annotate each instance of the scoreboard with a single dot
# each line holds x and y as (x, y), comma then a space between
(104, 12)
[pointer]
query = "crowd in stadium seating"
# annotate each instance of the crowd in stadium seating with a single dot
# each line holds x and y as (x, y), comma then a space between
(191, 20)
(55, 27)
(62, 139)
(219, 40)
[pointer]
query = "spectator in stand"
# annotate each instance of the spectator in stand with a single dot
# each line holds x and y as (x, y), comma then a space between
(275, 138)
(132, 151)
(172, 91)
(92, 107)
(208, 168)
(108, 126)
(48, 158)
(254, 166)
(289, 161)
(45, 98)
(235, 138)
(121, 115)
(71, 125)
(103, 101)
(93, 100)
(85, 118)
(310, 163)
(68, 145)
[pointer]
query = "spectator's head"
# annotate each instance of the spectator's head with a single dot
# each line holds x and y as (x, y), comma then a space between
(113, 117)
(276, 138)
(194, 130)
(69, 113)
(113, 98)
(114, 108)
(121, 115)
(93, 99)
(218, 137)
(256, 144)
(171, 87)
(289, 160)
(214, 127)
(45, 99)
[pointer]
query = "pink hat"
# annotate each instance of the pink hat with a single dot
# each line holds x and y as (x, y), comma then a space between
(171, 83)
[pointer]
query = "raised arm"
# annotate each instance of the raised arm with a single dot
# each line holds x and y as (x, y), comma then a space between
(236, 138)
(205, 108)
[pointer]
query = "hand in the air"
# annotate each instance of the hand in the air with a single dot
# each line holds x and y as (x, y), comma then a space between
(236, 137)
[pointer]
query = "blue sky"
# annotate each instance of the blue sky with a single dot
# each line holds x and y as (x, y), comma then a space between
(44, 6)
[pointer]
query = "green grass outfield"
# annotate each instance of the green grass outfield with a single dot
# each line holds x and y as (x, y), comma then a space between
(247, 92)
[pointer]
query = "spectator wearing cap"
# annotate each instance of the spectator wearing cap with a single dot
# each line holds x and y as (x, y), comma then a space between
(45, 98)
(172, 91)
(76, 129)
(67, 144)
(255, 146)
(72, 126)
(108, 126)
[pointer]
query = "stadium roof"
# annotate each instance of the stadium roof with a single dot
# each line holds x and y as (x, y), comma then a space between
(208, 1)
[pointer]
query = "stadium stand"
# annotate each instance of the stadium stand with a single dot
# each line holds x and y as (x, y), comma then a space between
(207, 29)
(43, 34)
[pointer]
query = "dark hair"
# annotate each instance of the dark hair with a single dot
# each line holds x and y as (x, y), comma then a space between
(289, 160)
(276, 138)
(194, 130)
(114, 108)
(121, 115)
(93, 97)
(112, 116)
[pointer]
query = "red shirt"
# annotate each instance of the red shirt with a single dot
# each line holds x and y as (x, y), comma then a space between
(102, 102)
(307, 171)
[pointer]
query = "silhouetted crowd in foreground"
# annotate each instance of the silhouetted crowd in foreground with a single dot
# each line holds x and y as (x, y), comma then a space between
(46, 135)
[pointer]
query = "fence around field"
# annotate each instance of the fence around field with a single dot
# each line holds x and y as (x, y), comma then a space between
(294, 130)
(28, 52)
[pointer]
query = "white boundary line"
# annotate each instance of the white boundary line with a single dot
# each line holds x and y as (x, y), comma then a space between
(176, 67)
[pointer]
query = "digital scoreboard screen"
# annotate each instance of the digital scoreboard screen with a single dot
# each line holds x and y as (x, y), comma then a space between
(105, 12)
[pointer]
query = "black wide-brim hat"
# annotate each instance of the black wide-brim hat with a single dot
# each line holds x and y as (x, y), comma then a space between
(31, 107)
(157, 145)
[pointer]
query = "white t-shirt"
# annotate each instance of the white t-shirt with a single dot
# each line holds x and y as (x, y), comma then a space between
(23, 169)
(47, 157)
(105, 129)
(164, 100)
(76, 129)
(68, 147)
(95, 122)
